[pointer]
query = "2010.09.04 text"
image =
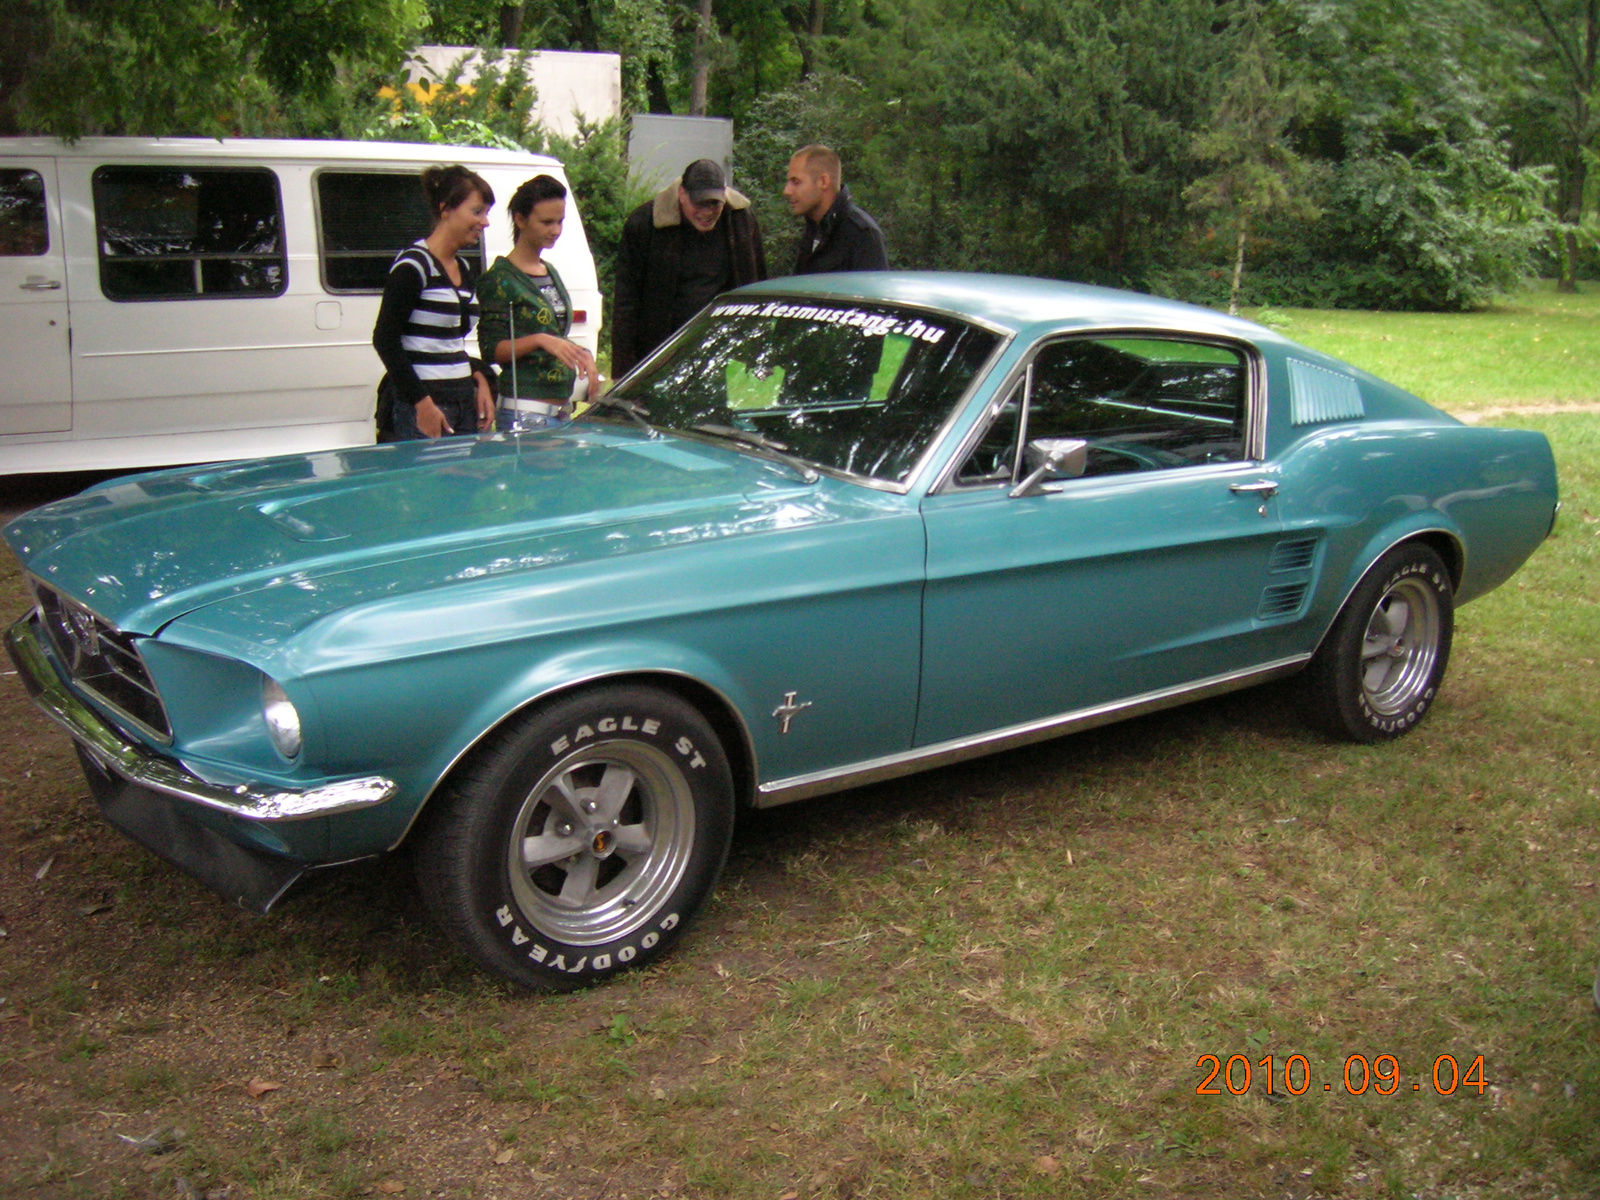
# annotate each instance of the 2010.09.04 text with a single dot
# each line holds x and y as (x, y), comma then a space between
(1293, 1076)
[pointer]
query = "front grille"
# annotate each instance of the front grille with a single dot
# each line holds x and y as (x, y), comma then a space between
(101, 660)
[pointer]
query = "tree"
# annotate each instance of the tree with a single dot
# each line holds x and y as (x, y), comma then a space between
(1041, 136)
(1567, 33)
(1424, 206)
(700, 70)
(212, 67)
(1255, 169)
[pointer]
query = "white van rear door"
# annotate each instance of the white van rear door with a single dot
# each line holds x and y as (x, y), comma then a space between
(35, 345)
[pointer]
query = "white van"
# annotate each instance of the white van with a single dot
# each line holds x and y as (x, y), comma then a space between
(167, 300)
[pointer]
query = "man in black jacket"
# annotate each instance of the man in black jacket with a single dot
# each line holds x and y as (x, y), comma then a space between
(838, 235)
(697, 238)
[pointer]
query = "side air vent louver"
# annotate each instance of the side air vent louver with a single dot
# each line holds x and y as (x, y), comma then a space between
(1292, 556)
(1317, 394)
(1281, 599)
(102, 660)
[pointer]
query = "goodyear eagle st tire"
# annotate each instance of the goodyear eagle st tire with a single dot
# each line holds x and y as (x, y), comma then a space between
(1379, 669)
(582, 841)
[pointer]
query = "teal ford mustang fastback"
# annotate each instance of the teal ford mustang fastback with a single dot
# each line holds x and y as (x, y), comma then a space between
(839, 529)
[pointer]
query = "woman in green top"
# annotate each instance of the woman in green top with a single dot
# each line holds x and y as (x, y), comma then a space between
(525, 314)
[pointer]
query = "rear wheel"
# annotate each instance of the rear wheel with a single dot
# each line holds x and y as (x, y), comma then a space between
(581, 843)
(1381, 664)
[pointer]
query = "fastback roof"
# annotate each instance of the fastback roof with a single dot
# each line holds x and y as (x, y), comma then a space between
(1015, 301)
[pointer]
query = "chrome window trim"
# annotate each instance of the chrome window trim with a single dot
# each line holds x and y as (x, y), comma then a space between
(1255, 431)
(923, 758)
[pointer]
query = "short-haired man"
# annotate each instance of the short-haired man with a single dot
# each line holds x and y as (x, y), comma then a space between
(696, 238)
(838, 235)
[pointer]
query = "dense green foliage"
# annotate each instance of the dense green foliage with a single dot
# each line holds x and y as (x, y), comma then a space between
(1373, 153)
(239, 67)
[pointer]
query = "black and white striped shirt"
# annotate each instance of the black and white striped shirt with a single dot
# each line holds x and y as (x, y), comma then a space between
(425, 323)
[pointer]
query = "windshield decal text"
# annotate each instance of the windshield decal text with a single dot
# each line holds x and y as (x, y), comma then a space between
(870, 324)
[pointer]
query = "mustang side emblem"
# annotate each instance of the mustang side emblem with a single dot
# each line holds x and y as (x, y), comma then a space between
(789, 710)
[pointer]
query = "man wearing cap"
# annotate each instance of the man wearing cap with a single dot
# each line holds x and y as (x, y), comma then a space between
(697, 238)
(838, 235)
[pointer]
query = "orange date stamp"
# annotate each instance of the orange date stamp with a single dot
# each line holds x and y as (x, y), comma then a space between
(1293, 1076)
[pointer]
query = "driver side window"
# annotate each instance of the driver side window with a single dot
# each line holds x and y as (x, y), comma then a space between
(1141, 404)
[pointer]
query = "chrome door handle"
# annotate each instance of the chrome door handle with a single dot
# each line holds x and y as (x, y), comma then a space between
(1264, 488)
(35, 284)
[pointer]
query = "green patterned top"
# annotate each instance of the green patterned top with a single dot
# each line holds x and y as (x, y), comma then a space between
(510, 302)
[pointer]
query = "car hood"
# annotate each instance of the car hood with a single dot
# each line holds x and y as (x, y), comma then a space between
(143, 551)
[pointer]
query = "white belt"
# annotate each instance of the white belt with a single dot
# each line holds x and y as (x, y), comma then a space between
(540, 407)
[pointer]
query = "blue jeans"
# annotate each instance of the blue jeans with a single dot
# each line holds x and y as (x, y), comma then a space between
(457, 399)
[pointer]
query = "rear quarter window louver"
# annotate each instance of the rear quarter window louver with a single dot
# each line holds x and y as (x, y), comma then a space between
(1317, 394)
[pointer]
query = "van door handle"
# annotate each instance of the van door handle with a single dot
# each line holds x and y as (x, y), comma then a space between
(37, 283)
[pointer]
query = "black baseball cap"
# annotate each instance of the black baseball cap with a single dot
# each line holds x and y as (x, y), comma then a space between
(703, 180)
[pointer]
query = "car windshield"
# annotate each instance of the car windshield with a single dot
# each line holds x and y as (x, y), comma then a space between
(857, 388)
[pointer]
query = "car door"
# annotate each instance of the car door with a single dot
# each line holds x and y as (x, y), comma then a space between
(36, 391)
(1150, 568)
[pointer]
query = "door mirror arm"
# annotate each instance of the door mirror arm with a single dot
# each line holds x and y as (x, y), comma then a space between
(1052, 456)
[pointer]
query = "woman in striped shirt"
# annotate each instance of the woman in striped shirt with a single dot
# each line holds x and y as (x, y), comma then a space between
(429, 312)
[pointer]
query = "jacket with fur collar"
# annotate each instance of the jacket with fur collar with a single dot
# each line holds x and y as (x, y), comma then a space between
(648, 270)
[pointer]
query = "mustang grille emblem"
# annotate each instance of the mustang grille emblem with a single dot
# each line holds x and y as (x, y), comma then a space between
(789, 710)
(85, 636)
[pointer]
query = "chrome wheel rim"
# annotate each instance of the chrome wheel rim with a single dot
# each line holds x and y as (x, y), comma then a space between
(1400, 647)
(600, 842)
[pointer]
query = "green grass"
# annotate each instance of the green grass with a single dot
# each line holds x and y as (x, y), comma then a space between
(1538, 347)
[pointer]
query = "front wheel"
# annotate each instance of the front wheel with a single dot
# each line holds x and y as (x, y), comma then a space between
(580, 843)
(1380, 667)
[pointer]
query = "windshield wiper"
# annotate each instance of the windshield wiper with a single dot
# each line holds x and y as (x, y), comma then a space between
(637, 411)
(755, 440)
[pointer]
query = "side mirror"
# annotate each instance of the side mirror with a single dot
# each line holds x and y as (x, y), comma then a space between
(1051, 456)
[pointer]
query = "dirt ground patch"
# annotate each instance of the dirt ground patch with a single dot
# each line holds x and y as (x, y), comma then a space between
(1493, 412)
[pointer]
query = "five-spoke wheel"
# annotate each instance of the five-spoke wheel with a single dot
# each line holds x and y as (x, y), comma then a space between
(1380, 667)
(581, 841)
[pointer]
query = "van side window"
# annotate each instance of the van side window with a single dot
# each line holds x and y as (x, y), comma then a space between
(367, 217)
(189, 233)
(22, 224)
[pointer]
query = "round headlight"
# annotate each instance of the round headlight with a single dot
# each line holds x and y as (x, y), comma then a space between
(283, 723)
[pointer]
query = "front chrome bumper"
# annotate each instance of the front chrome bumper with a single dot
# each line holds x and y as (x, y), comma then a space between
(139, 765)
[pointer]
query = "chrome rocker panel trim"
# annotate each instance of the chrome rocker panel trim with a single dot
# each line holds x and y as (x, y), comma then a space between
(892, 766)
(140, 766)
